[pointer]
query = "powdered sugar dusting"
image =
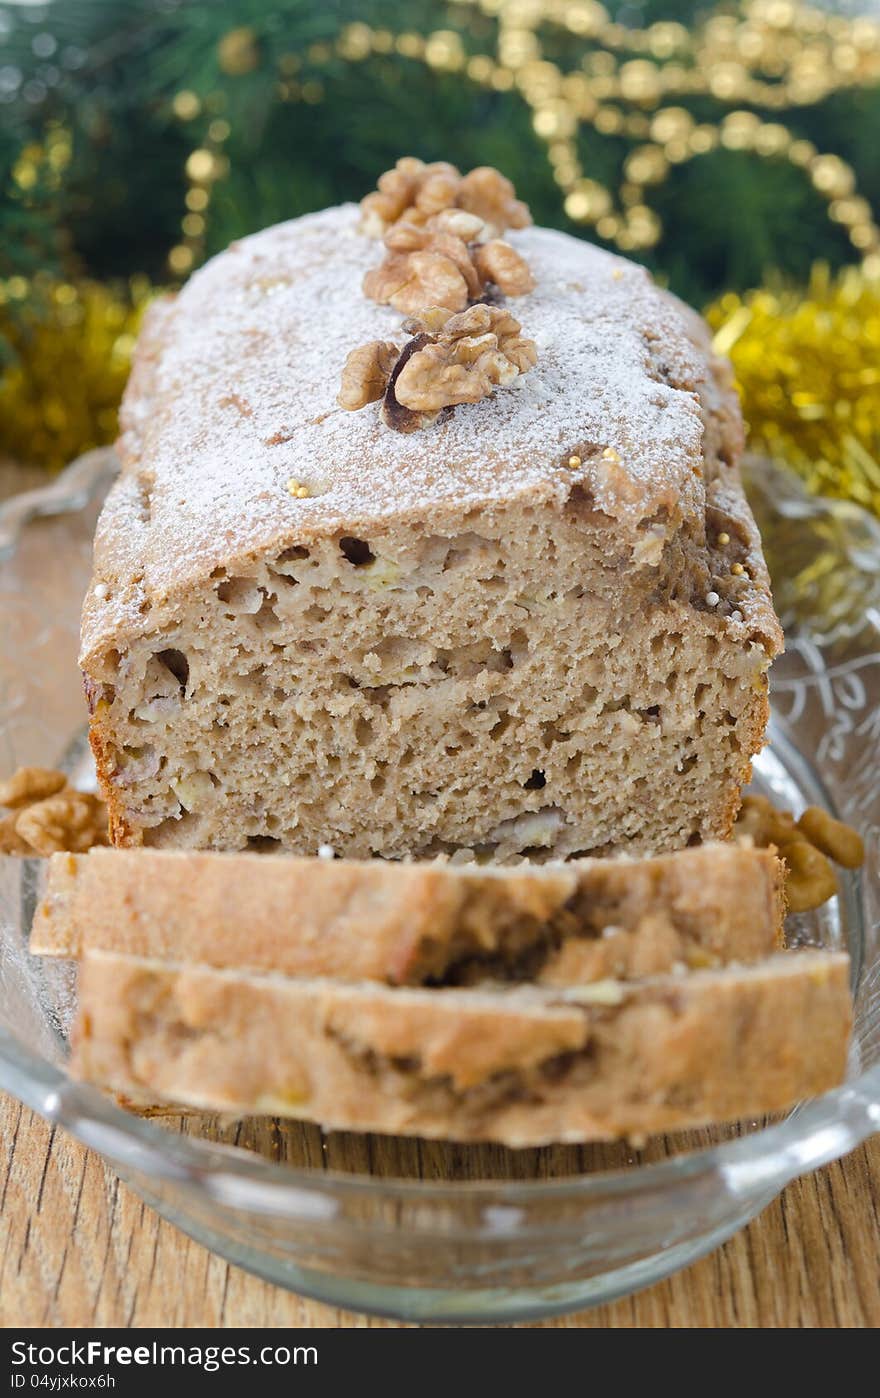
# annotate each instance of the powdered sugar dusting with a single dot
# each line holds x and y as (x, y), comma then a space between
(234, 394)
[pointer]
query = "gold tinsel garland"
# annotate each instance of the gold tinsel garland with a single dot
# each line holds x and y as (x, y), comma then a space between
(807, 365)
(71, 345)
(620, 82)
(808, 370)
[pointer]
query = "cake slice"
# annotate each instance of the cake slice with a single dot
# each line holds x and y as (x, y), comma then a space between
(541, 625)
(416, 923)
(523, 1066)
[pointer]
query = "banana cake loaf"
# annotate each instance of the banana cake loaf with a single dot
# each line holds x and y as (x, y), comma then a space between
(522, 1065)
(541, 625)
(417, 923)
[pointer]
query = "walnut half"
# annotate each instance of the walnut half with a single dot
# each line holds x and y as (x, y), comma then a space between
(46, 815)
(366, 374)
(806, 845)
(447, 261)
(418, 191)
(72, 820)
(451, 359)
(30, 784)
(471, 355)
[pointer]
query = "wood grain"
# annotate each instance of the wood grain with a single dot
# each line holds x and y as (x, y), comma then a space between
(77, 1248)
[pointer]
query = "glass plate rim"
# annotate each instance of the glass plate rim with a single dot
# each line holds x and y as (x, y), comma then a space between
(758, 1164)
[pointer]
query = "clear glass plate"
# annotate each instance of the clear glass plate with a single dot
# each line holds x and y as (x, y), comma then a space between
(429, 1231)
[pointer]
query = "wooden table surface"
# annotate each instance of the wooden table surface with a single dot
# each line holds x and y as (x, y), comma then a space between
(77, 1248)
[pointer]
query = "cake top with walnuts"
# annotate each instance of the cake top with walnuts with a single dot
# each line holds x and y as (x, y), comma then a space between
(563, 368)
